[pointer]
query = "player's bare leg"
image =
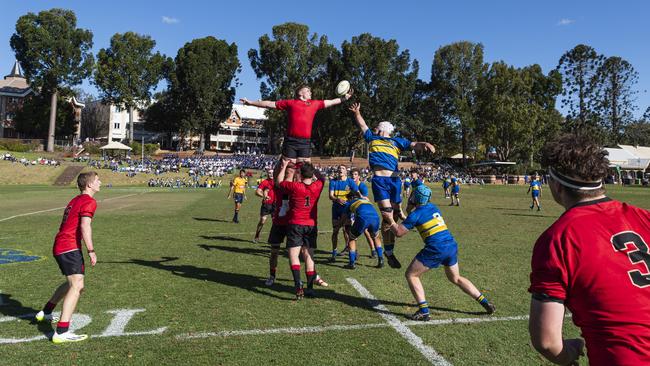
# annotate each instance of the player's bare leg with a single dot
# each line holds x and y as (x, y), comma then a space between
(371, 244)
(260, 225)
(453, 275)
(336, 227)
(46, 313)
(273, 265)
(75, 287)
(387, 211)
(413, 273)
(376, 242)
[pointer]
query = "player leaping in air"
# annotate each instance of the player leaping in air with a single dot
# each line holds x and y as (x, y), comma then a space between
(383, 157)
(300, 118)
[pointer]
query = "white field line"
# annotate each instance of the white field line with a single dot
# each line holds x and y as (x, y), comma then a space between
(329, 328)
(61, 208)
(265, 232)
(428, 352)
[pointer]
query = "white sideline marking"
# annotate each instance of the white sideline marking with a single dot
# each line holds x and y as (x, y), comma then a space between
(61, 208)
(301, 330)
(323, 329)
(428, 352)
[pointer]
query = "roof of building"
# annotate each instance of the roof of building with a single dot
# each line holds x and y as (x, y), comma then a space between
(249, 112)
(624, 159)
(114, 145)
(15, 84)
(642, 152)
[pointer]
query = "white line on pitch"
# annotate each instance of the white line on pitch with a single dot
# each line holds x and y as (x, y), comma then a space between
(428, 352)
(61, 208)
(300, 330)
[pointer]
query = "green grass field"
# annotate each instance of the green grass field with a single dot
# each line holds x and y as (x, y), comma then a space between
(175, 260)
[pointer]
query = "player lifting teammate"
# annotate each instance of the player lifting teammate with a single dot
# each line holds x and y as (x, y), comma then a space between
(302, 229)
(300, 118)
(594, 260)
(266, 190)
(383, 156)
(439, 248)
(74, 228)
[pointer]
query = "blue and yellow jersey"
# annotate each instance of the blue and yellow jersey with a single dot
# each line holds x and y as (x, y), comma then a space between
(446, 183)
(430, 224)
(407, 182)
(363, 189)
(383, 152)
(361, 208)
(416, 183)
(341, 188)
(535, 185)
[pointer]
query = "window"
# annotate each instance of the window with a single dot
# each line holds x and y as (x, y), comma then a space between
(116, 125)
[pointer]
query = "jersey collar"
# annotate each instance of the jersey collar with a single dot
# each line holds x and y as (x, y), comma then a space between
(592, 202)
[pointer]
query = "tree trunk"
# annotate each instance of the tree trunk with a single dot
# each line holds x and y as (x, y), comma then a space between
(52, 129)
(463, 132)
(130, 124)
(201, 147)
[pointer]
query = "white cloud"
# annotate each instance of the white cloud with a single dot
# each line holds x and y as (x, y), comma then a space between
(565, 21)
(169, 20)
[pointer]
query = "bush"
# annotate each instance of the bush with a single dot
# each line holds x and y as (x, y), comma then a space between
(92, 148)
(149, 149)
(18, 146)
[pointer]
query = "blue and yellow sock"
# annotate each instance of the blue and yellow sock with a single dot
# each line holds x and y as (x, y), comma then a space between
(424, 307)
(380, 252)
(353, 257)
(481, 299)
(389, 248)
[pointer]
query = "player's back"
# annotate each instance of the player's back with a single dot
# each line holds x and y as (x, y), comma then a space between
(605, 269)
(303, 201)
(69, 235)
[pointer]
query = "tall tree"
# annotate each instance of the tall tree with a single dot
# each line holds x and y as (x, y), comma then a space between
(127, 71)
(95, 118)
(578, 68)
(288, 58)
(455, 75)
(33, 119)
(54, 53)
(615, 80)
(203, 84)
(164, 116)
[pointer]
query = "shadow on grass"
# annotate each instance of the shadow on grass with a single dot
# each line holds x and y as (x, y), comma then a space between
(14, 308)
(250, 283)
(226, 238)
(508, 209)
(209, 219)
(447, 310)
(256, 251)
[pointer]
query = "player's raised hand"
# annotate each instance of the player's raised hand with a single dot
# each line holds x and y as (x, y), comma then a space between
(244, 101)
(429, 147)
(348, 95)
(355, 108)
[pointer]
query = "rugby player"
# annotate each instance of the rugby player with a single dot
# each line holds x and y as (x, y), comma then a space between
(266, 190)
(439, 248)
(594, 261)
(446, 183)
(300, 118)
(338, 193)
(366, 220)
(75, 227)
(536, 188)
(302, 229)
(455, 190)
(383, 156)
(363, 190)
(238, 187)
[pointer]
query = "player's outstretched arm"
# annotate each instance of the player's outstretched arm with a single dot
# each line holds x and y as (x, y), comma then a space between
(258, 103)
(284, 163)
(87, 236)
(398, 229)
(423, 146)
(337, 101)
(356, 111)
(545, 328)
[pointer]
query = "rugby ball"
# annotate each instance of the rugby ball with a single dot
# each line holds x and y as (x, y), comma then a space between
(342, 88)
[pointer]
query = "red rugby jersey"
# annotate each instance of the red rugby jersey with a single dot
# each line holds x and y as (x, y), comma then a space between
(300, 115)
(595, 259)
(69, 236)
(303, 201)
(269, 184)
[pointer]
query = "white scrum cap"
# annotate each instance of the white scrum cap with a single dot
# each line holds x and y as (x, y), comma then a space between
(386, 127)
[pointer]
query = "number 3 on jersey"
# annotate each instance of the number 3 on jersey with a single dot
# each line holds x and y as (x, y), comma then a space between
(620, 242)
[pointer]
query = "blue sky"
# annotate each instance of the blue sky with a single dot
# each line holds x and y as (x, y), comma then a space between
(518, 32)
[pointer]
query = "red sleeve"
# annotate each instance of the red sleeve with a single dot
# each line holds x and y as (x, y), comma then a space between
(321, 183)
(88, 208)
(282, 104)
(320, 104)
(264, 185)
(549, 275)
(287, 186)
